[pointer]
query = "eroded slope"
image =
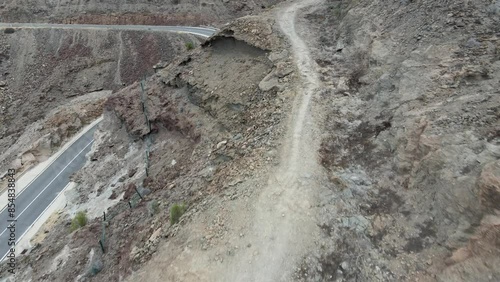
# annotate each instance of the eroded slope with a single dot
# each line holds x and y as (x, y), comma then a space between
(43, 69)
(211, 127)
(411, 143)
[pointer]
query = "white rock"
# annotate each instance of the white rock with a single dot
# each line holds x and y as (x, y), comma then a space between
(220, 144)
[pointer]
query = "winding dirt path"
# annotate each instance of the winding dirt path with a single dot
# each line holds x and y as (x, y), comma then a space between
(284, 228)
(278, 226)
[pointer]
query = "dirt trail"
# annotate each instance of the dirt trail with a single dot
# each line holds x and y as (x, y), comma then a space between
(284, 227)
(274, 229)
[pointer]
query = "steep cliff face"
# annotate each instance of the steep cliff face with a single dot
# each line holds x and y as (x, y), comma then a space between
(133, 12)
(41, 69)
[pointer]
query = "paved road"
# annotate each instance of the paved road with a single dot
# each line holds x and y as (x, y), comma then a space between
(39, 194)
(201, 31)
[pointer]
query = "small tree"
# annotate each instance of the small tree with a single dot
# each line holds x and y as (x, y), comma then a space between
(79, 220)
(176, 212)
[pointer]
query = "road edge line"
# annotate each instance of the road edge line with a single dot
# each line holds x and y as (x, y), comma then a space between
(56, 156)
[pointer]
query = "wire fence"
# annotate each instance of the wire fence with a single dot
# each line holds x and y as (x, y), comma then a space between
(148, 124)
(137, 197)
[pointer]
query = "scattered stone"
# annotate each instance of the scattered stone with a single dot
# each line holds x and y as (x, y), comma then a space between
(472, 43)
(28, 159)
(270, 82)
(132, 171)
(277, 56)
(222, 143)
(283, 69)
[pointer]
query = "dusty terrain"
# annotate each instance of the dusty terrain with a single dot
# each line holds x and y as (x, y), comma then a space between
(318, 141)
(206, 127)
(410, 140)
(151, 12)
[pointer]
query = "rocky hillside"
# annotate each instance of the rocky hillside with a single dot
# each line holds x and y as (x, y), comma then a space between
(211, 114)
(45, 68)
(323, 140)
(41, 69)
(411, 142)
(156, 12)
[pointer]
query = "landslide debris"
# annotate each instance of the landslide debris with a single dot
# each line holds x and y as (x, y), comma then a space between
(209, 126)
(45, 69)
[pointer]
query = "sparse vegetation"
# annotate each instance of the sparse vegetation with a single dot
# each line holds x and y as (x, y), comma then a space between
(176, 211)
(78, 221)
(189, 46)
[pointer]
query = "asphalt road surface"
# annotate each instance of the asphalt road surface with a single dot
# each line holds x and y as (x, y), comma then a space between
(41, 192)
(200, 31)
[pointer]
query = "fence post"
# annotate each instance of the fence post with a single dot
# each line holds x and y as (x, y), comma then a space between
(148, 124)
(140, 196)
(102, 246)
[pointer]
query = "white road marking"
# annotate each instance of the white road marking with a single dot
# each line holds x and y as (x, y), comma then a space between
(190, 29)
(45, 188)
(57, 155)
(28, 229)
(62, 26)
(194, 33)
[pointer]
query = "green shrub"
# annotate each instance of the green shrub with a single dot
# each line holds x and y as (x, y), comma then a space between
(176, 212)
(189, 45)
(78, 221)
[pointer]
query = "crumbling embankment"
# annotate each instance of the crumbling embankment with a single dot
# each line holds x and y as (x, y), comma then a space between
(42, 69)
(213, 114)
